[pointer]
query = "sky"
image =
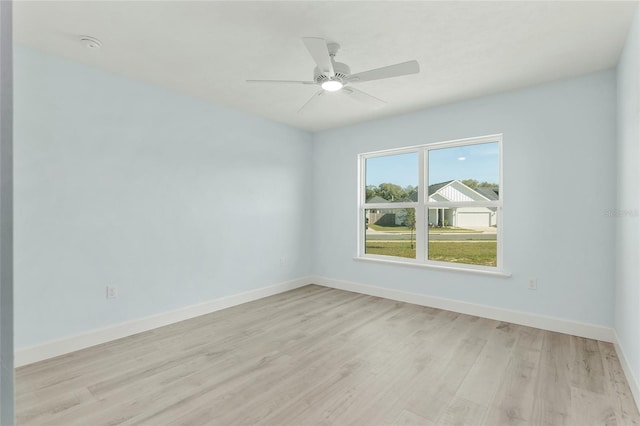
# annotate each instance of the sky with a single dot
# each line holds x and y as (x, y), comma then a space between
(479, 162)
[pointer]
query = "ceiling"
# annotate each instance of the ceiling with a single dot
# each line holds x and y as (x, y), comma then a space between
(208, 49)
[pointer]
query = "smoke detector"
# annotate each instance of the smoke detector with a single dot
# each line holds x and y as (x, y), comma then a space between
(90, 42)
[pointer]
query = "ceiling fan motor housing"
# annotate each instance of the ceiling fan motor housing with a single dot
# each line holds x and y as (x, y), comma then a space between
(342, 71)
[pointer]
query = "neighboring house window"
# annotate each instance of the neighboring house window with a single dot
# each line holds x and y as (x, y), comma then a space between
(438, 204)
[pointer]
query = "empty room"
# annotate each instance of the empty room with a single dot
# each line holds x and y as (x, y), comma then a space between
(319, 212)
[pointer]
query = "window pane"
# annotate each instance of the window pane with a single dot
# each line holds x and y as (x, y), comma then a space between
(463, 235)
(390, 232)
(392, 178)
(465, 173)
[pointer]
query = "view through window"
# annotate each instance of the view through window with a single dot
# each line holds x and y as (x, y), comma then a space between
(433, 204)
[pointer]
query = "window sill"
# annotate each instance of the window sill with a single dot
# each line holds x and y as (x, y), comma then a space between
(502, 274)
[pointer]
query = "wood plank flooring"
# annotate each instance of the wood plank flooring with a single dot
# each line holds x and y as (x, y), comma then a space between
(328, 357)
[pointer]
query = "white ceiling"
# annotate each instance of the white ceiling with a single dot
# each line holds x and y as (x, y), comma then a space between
(209, 49)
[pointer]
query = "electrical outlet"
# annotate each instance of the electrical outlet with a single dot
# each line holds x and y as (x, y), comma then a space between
(112, 292)
(533, 284)
(283, 261)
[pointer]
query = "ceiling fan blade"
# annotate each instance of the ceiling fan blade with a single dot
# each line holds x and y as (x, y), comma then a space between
(317, 47)
(397, 70)
(363, 97)
(312, 100)
(281, 81)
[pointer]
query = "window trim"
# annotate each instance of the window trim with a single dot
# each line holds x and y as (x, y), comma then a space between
(423, 204)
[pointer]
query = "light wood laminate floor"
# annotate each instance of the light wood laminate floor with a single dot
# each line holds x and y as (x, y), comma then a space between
(322, 356)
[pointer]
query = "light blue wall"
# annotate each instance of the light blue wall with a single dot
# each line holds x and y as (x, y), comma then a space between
(627, 301)
(173, 200)
(176, 201)
(559, 183)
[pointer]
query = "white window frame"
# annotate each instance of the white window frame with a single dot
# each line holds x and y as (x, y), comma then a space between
(423, 204)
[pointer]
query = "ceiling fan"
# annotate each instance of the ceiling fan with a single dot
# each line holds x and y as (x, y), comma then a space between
(334, 76)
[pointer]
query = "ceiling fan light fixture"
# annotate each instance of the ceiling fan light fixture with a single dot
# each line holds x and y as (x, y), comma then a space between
(332, 85)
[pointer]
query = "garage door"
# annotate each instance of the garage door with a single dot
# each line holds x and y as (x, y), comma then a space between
(474, 219)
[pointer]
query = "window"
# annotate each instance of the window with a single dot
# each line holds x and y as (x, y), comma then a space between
(438, 204)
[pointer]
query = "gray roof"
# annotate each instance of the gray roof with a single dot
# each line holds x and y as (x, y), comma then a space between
(436, 186)
(377, 199)
(491, 193)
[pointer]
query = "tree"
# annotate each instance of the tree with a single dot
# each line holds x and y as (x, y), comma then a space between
(474, 184)
(411, 192)
(371, 191)
(391, 192)
(410, 222)
(471, 183)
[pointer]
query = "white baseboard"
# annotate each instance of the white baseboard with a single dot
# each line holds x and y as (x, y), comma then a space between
(591, 331)
(24, 356)
(634, 384)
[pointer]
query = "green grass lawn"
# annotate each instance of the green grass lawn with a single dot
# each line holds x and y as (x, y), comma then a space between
(432, 230)
(401, 248)
(469, 252)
